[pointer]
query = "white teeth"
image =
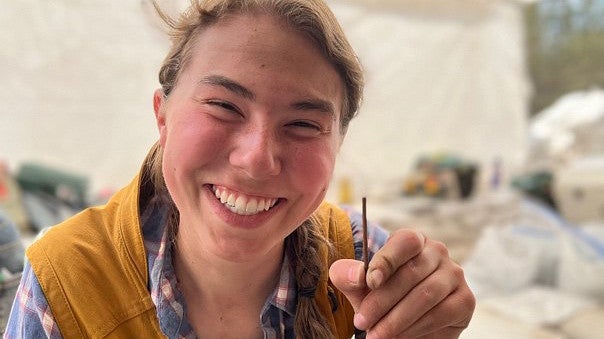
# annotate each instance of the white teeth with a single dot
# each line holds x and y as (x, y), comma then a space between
(242, 204)
(251, 206)
(231, 200)
(260, 206)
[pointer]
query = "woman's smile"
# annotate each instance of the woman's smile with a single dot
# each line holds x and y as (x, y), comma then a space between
(241, 203)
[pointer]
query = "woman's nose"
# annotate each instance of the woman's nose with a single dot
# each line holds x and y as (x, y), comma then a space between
(257, 153)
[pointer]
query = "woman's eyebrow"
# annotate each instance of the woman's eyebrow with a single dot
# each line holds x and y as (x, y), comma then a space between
(314, 105)
(222, 81)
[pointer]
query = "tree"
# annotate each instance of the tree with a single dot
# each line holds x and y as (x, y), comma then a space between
(565, 47)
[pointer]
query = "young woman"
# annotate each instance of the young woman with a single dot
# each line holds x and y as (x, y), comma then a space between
(224, 233)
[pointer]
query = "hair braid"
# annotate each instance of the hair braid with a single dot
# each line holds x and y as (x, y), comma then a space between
(302, 248)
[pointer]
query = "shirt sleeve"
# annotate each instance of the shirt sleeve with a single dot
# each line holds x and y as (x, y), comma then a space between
(30, 315)
(376, 235)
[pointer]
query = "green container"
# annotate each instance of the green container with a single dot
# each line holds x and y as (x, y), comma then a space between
(68, 187)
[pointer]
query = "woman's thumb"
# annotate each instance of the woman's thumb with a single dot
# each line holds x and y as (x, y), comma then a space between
(348, 276)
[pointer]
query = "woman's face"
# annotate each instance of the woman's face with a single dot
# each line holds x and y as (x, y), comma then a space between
(250, 135)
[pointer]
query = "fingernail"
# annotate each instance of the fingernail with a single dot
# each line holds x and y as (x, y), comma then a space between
(355, 274)
(359, 321)
(376, 277)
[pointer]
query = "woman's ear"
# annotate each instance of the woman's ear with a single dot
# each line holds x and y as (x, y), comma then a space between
(160, 116)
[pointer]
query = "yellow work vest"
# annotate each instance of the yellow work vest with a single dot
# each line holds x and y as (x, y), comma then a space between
(93, 271)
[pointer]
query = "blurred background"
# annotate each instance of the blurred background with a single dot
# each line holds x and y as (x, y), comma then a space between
(482, 125)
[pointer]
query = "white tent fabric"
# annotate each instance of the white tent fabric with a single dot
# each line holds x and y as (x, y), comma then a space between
(78, 84)
(440, 77)
(79, 76)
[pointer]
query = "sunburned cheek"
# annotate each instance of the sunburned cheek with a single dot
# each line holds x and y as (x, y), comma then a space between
(198, 141)
(314, 171)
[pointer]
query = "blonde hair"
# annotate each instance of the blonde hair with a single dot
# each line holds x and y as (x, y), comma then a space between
(315, 19)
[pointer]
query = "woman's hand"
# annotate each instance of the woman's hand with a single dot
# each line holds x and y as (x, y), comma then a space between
(412, 289)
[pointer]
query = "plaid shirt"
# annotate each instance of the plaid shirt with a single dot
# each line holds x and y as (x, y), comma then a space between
(31, 316)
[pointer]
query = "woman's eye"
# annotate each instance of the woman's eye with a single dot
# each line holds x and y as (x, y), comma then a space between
(223, 104)
(306, 124)
(306, 129)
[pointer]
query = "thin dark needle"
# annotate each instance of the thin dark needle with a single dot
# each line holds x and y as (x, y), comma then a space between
(365, 250)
